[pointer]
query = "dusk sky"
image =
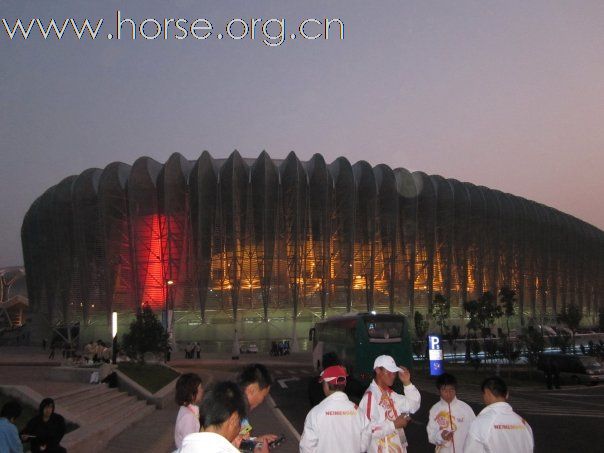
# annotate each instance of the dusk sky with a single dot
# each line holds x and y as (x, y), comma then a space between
(506, 94)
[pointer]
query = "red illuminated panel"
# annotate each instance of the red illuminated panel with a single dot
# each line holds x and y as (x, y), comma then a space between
(148, 239)
(172, 243)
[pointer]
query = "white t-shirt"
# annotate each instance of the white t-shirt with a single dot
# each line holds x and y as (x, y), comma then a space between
(498, 429)
(187, 422)
(206, 443)
(441, 416)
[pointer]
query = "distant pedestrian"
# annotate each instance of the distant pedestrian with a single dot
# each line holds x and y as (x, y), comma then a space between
(9, 435)
(335, 424)
(197, 349)
(52, 350)
(552, 373)
(45, 429)
(387, 410)
(498, 429)
(236, 350)
(450, 419)
(188, 395)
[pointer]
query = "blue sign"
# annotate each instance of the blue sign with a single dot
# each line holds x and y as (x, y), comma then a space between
(435, 354)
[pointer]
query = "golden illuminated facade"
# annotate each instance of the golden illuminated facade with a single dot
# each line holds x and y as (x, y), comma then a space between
(252, 240)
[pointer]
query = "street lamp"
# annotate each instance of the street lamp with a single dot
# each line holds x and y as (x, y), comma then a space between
(114, 335)
(169, 306)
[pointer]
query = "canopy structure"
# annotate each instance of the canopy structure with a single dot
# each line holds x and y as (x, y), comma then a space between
(265, 240)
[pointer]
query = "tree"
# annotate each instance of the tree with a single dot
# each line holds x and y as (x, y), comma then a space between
(535, 343)
(440, 310)
(483, 312)
(453, 336)
(146, 335)
(421, 330)
(421, 325)
(507, 296)
(571, 316)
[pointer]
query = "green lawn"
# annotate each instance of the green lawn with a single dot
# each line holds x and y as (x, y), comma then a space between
(152, 377)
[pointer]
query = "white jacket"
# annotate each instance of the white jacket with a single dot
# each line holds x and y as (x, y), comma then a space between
(498, 429)
(441, 416)
(335, 424)
(382, 408)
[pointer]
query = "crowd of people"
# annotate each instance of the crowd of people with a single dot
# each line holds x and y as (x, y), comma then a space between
(193, 350)
(215, 419)
(378, 423)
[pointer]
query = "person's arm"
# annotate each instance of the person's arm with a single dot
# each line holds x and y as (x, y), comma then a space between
(310, 436)
(365, 430)
(409, 402)
(58, 431)
(29, 431)
(475, 440)
(266, 438)
(473, 444)
(13, 440)
(433, 429)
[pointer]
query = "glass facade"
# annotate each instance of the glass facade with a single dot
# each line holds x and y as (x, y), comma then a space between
(223, 241)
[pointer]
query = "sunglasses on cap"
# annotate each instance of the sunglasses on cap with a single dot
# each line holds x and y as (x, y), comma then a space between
(338, 381)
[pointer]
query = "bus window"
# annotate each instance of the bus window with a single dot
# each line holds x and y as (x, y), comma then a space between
(384, 329)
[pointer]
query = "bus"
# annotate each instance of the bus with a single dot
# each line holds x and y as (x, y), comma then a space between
(358, 338)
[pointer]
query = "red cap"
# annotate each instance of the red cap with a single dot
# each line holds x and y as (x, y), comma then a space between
(332, 373)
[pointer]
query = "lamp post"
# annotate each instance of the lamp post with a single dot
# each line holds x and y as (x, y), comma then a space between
(169, 307)
(114, 335)
(169, 284)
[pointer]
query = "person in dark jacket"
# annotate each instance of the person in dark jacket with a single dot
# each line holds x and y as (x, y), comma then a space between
(45, 430)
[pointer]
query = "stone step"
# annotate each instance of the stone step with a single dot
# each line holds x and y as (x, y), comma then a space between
(152, 434)
(65, 395)
(89, 397)
(118, 421)
(80, 392)
(96, 412)
(93, 437)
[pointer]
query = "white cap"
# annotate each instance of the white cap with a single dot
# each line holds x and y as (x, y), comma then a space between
(387, 362)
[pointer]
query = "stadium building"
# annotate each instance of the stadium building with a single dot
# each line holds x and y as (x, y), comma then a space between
(270, 246)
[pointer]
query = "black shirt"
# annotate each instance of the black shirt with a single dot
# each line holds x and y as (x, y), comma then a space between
(47, 433)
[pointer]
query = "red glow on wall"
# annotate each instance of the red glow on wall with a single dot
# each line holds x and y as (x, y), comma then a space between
(149, 237)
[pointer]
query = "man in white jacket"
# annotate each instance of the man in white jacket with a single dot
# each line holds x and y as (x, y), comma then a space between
(450, 418)
(335, 424)
(388, 411)
(498, 429)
